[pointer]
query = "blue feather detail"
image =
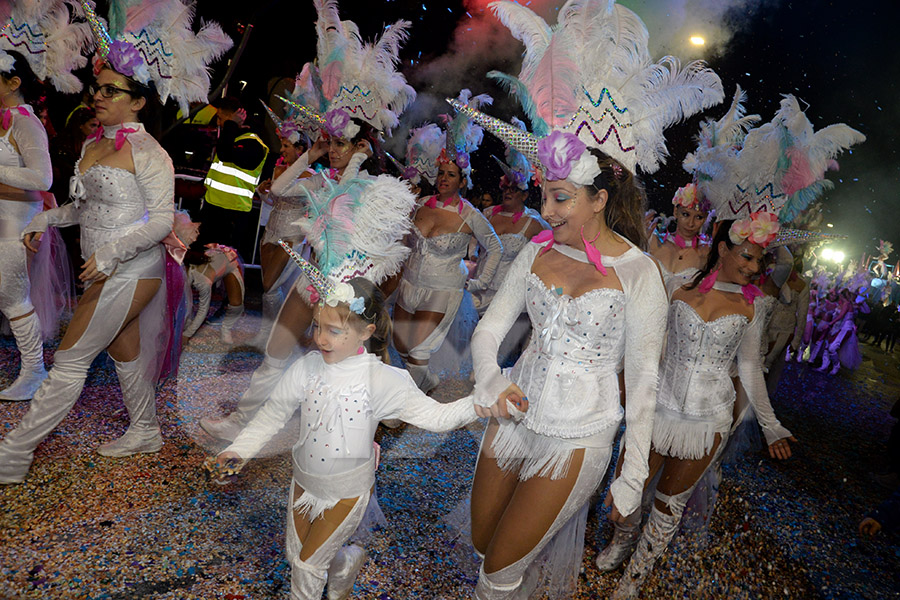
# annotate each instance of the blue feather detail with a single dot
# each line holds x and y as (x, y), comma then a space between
(516, 88)
(800, 199)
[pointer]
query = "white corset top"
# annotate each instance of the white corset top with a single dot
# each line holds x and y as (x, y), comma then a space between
(436, 262)
(694, 378)
(568, 371)
(113, 206)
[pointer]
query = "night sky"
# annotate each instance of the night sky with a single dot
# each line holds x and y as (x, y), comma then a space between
(838, 57)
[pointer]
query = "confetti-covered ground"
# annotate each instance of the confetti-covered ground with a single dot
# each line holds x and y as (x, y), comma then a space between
(84, 526)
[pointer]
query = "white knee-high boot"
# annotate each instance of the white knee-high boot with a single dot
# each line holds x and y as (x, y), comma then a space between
(49, 406)
(307, 581)
(621, 546)
(343, 571)
(232, 314)
(139, 396)
(27, 332)
(262, 383)
(658, 532)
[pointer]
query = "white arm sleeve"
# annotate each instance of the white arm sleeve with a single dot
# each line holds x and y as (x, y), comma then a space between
(409, 404)
(156, 180)
(55, 217)
(204, 293)
(31, 140)
(289, 184)
(487, 237)
(505, 308)
(750, 371)
(274, 414)
(645, 327)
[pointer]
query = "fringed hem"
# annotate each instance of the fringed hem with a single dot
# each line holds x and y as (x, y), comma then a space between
(311, 506)
(690, 440)
(531, 454)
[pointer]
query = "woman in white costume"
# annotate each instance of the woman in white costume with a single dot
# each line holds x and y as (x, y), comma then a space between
(596, 301)
(434, 278)
(37, 43)
(682, 254)
(714, 319)
(123, 192)
(379, 94)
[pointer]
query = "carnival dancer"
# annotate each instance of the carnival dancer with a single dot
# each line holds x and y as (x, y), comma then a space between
(714, 319)
(279, 273)
(434, 278)
(362, 97)
(50, 45)
(123, 193)
(787, 325)
(595, 300)
(682, 254)
(343, 389)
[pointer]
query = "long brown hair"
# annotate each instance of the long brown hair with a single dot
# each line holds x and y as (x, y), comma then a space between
(627, 201)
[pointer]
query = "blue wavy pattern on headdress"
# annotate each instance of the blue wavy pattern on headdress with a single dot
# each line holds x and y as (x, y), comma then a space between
(599, 99)
(767, 189)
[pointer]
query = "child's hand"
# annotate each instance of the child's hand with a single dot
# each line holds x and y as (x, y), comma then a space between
(513, 396)
(223, 468)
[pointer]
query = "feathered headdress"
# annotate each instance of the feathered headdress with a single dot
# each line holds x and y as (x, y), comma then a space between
(152, 40)
(885, 248)
(589, 81)
(352, 79)
(43, 32)
(463, 135)
(422, 150)
(516, 169)
(288, 128)
(356, 227)
(768, 175)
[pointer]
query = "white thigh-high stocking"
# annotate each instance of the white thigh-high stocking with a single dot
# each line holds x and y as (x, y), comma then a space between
(232, 314)
(263, 381)
(27, 331)
(59, 392)
(655, 538)
(308, 576)
(507, 583)
(621, 546)
(139, 396)
(271, 304)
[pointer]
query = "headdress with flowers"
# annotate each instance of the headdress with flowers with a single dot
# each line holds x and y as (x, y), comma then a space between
(768, 175)
(517, 171)
(291, 129)
(43, 31)
(352, 80)
(356, 227)
(689, 196)
(423, 148)
(588, 82)
(463, 135)
(152, 41)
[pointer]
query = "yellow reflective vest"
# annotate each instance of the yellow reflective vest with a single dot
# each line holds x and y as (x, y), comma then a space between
(231, 187)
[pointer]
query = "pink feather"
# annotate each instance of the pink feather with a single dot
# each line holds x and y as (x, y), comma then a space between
(751, 292)
(708, 282)
(552, 83)
(331, 78)
(799, 175)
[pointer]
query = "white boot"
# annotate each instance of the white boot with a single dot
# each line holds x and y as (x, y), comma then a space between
(307, 581)
(658, 532)
(27, 332)
(621, 546)
(139, 396)
(826, 361)
(343, 571)
(263, 381)
(489, 588)
(423, 377)
(232, 314)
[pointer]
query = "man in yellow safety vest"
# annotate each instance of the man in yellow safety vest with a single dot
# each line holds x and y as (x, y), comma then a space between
(232, 179)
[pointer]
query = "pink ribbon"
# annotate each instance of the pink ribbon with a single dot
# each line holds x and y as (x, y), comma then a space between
(175, 247)
(708, 282)
(432, 203)
(121, 135)
(516, 216)
(751, 292)
(313, 294)
(546, 235)
(593, 254)
(7, 115)
(679, 241)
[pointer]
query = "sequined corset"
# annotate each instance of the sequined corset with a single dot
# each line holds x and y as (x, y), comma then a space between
(568, 370)
(113, 207)
(512, 245)
(694, 377)
(285, 211)
(436, 262)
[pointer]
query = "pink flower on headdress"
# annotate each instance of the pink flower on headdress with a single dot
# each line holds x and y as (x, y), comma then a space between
(740, 231)
(686, 196)
(764, 228)
(558, 153)
(339, 124)
(410, 173)
(125, 59)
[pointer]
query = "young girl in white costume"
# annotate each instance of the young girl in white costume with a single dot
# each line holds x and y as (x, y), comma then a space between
(364, 97)
(434, 278)
(714, 320)
(36, 43)
(342, 390)
(123, 198)
(596, 301)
